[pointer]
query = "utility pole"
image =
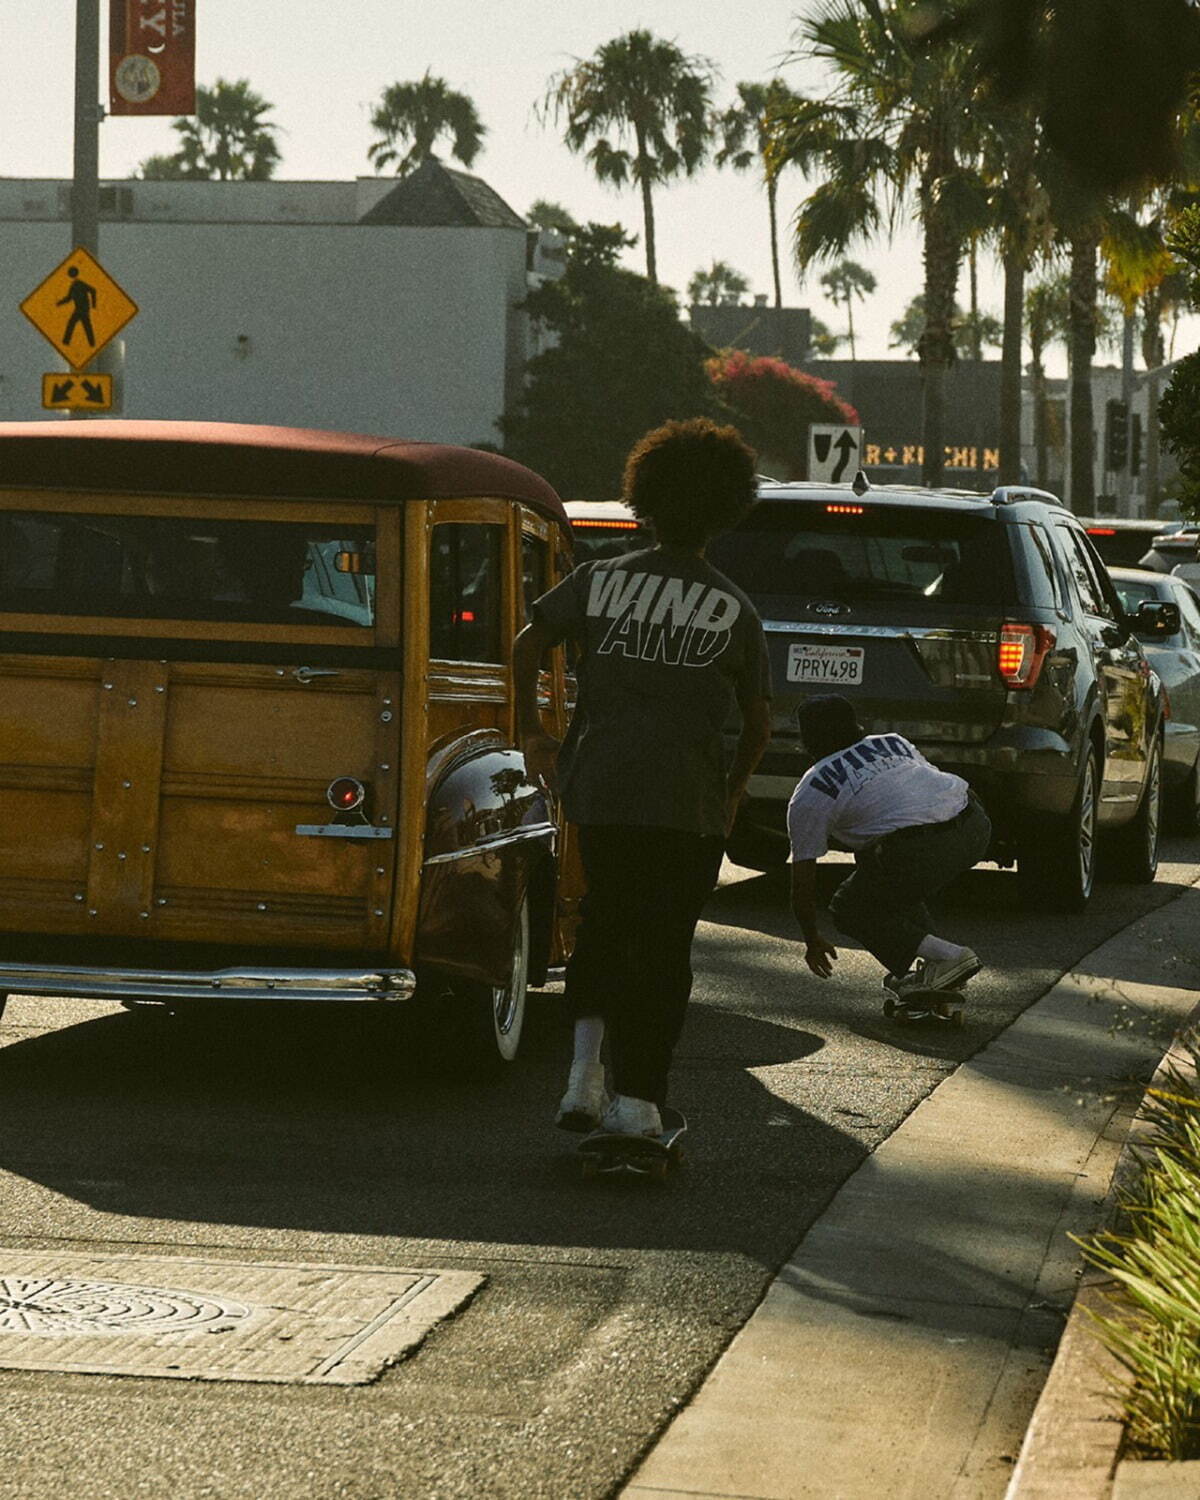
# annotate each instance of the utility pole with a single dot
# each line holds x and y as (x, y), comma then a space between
(85, 190)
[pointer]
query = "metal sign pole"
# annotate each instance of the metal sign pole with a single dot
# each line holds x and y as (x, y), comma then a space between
(85, 190)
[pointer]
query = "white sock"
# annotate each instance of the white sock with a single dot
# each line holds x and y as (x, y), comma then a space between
(589, 1038)
(936, 949)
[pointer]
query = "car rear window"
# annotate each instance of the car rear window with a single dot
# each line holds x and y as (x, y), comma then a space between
(185, 568)
(925, 559)
(599, 539)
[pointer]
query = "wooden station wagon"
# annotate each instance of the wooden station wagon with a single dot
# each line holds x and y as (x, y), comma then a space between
(257, 723)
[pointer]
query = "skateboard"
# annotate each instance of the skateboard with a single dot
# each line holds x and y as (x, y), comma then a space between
(927, 1005)
(604, 1155)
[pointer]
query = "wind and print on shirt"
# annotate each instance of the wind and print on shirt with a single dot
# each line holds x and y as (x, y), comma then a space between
(877, 785)
(659, 618)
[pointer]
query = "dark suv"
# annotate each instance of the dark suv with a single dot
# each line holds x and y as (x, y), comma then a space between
(986, 629)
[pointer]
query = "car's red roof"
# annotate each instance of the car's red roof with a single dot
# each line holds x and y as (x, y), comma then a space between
(230, 458)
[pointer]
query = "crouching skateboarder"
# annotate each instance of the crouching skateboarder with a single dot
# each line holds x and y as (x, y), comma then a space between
(912, 830)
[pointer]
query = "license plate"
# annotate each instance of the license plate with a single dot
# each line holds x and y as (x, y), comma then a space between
(840, 665)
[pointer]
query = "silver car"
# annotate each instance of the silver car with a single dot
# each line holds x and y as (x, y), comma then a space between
(1174, 652)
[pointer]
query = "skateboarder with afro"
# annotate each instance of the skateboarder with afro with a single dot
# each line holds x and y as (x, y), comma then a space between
(912, 830)
(667, 648)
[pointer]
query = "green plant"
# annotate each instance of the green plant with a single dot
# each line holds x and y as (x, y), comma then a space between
(1154, 1261)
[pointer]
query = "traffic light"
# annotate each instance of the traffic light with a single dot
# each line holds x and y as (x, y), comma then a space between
(1135, 445)
(1116, 436)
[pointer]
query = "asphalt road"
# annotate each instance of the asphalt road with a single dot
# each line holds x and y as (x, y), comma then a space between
(333, 1140)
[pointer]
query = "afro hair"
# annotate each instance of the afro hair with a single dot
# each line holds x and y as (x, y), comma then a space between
(690, 480)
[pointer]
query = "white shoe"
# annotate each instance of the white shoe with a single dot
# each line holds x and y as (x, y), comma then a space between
(941, 973)
(586, 1098)
(629, 1116)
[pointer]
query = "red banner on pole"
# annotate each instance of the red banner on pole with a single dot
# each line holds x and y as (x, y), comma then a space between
(152, 57)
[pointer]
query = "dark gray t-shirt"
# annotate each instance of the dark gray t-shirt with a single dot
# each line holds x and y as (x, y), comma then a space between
(667, 645)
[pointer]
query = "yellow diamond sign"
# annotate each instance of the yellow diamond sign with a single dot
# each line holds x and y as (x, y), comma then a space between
(78, 308)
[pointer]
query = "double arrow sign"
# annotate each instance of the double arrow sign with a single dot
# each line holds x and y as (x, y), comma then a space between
(77, 392)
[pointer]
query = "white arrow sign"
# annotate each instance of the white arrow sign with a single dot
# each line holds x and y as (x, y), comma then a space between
(834, 452)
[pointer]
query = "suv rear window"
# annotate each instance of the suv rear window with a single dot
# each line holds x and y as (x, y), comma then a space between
(925, 559)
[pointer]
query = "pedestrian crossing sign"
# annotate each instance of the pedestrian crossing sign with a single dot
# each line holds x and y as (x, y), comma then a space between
(78, 308)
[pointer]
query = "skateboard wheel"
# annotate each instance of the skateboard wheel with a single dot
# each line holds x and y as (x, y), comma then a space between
(889, 1006)
(956, 1017)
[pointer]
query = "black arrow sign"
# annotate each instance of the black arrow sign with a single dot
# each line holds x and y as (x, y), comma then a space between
(845, 445)
(62, 390)
(93, 392)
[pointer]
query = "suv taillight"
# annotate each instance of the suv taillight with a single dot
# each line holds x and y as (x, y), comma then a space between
(1021, 652)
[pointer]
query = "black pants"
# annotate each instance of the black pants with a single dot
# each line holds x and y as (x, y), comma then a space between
(883, 901)
(632, 960)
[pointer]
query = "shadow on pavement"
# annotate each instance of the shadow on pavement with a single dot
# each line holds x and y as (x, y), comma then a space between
(334, 1123)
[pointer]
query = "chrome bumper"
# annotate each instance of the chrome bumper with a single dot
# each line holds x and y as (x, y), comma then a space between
(227, 984)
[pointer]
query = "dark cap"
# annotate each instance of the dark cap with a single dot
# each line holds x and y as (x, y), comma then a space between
(828, 722)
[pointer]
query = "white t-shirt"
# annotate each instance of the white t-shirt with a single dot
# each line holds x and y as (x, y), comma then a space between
(873, 787)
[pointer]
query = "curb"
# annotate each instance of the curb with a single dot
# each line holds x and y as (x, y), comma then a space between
(1072, 1446)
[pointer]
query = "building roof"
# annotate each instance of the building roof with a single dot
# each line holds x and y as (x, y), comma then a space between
(229, 458)
(435, 195)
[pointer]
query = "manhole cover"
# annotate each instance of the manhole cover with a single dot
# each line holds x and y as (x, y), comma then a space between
(52, 1305)
(216, 1320)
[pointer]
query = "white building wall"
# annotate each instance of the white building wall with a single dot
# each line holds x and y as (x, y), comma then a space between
(396, 330)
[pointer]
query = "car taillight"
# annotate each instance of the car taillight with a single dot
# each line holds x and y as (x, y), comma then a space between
(1021, 651)
(346, 794)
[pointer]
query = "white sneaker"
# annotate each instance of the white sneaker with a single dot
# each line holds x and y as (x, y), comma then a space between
(629, 1116)
(586, 1098)
(941, 973)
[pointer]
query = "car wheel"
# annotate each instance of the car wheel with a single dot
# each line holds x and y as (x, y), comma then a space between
(1057, 866)
(480, 1025)
(507, 1008)
(1135, 847)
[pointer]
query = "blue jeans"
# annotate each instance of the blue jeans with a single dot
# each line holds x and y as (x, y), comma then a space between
(882, 904)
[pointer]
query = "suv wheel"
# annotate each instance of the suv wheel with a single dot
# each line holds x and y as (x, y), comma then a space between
(1135, 847)
(1057, 867)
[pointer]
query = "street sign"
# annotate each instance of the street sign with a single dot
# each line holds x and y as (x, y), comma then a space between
(834, 452)
(77, 392)
(78, 308)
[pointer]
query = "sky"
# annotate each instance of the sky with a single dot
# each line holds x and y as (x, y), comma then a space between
(324, 66)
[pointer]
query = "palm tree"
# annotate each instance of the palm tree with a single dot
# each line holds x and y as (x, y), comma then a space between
(843, 283)
(822, 341)
(900, 120)
(970, 332)
(751, 136)
(410, 118)
(1047, 314)
(719, 286)
(227, 138)
(636, 88)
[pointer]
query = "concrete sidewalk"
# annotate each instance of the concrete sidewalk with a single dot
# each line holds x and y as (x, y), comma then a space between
(901, 1350)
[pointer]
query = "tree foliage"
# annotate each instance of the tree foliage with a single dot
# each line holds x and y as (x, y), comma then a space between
(623, 363)
(1107, 78)
(907, 329)
(1179, 409)
(639, 110)
(228, 138)
(412, 117)
(718, 286)
(773, 403)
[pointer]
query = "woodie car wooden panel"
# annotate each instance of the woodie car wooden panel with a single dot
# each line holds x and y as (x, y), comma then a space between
(191, 661)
